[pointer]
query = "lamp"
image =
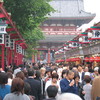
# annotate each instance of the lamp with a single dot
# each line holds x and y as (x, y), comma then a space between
(56, 52)
(80, 47)
(90, 34)
(65, 48)
(70, 45)
(80, 39)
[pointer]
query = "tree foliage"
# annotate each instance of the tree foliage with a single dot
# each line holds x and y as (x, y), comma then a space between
(28, 15)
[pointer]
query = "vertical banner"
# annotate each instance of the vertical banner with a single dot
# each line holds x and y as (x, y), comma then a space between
(12, 44)
(1, 38)
(7, 40)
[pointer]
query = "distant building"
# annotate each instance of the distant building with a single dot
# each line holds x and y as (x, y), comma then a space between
(61, 25)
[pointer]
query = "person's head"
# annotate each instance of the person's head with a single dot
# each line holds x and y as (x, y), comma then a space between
(75, 69)
(54, 77)
(66, 66)
(30, 72)
(20, 75)
(42, 71)
(52, 91)
(10, 75)
(3, 78)
(96, 70)
(70, 75)
(10, 70)
(17, 86)
(76, 78)
(25, 73)
(68, 96)
(37, 74)
(63, 75)
(86, 69)
(54, 71)
(87, 79)
(80, 68)
(48, 72)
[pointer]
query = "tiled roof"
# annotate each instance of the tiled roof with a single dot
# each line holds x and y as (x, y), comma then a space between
(57, 38)
(69, 8)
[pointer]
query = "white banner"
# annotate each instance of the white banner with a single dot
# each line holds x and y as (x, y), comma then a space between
(1, 38)
(7, 40)
(3, 29)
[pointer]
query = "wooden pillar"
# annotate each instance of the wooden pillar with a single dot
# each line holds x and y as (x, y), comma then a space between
(11, 56)
(33, 58)
(38, 55)
(17, 59)
(2, 64)
(49, 55)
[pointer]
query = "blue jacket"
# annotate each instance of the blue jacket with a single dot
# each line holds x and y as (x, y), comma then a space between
(4, 90)
(64, 84)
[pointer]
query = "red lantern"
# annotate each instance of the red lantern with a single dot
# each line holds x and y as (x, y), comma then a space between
(62, 60)
(77, 59)
(67, 60)
(91, 59)
(86, 59)
(97, 59)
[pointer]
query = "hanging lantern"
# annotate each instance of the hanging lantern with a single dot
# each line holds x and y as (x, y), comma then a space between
(68, 60)
(80, 39)
(77, 59)
(86, 59)
(70, 45)
(97, 59)
(90, 34)
(91, 59)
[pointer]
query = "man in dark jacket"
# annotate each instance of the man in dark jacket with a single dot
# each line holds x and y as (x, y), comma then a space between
(34, 84)
(67, 84)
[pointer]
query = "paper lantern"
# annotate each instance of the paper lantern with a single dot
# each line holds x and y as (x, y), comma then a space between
(91, 59)
(97, 59)
(86, 59)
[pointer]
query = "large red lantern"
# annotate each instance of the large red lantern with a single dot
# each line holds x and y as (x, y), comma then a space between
(97, 59)
(91, 59)
(77, 59)
(86, 59)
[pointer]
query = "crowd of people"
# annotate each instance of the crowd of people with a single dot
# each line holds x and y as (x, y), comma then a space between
(49, 82)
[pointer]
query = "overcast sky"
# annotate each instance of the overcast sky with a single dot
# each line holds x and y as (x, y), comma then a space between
(92, 6)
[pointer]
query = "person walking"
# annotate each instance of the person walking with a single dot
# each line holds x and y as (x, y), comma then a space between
(34, 84)
(67, 84)
(95, 93)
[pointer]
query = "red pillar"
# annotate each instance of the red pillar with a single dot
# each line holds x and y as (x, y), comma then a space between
(10, 56)
(17, 59)
(3, 48)
(33, 58)
(49, 56)
(38, 55)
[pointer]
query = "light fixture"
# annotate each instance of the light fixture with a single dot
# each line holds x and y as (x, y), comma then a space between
(60, 50)
(70, 45)
(65, 48)
(80, 39)
(56, 52)
(80, 47)
(90, 34)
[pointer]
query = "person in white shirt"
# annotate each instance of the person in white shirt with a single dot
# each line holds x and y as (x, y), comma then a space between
(81, 73)
(53, 81)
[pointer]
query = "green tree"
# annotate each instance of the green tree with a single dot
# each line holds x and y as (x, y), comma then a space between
(28, 15)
